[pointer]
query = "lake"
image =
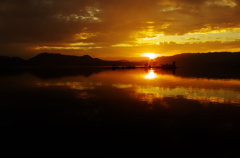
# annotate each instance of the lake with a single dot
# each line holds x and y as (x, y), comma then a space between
(122, 112)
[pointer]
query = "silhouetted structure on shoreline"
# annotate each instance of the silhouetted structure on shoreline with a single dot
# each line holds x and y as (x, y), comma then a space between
(123, 67)
(162, 66)
(169, 66)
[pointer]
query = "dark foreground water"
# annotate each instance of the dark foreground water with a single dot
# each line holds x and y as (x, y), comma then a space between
(120, 113)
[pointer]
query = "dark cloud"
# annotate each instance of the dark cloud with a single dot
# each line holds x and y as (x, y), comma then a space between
(33, 21)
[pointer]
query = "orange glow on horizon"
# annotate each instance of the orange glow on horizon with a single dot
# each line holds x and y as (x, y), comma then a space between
(150, 55)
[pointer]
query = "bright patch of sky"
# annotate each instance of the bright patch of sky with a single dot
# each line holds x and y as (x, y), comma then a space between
(229, 3)
(226, 36)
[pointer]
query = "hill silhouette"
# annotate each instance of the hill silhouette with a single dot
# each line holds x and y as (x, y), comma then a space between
(11, 61)
(56, 60)
(51, 59)
(204, 60)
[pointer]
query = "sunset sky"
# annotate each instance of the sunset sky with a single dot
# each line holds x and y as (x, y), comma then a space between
(118, 29)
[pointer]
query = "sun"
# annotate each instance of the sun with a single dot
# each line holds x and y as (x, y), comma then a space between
(150, 55)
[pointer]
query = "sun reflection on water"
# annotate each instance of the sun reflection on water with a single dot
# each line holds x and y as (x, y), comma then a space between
(150, 75)
(153, 86)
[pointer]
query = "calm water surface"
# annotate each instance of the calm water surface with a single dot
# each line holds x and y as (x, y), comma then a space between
(99, 111)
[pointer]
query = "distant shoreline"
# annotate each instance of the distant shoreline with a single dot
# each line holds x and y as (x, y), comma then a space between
(217, 60)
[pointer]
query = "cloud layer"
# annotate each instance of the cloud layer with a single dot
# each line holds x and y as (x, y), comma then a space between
(117, 28)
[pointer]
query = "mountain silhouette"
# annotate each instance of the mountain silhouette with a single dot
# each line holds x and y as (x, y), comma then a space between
(204, 60)
(51, 59)
(11, 61)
